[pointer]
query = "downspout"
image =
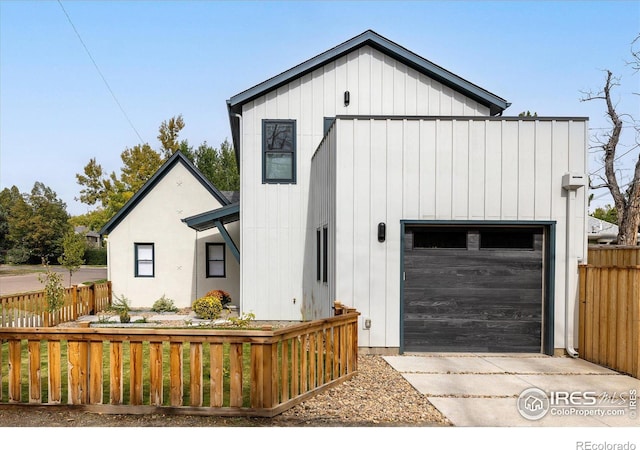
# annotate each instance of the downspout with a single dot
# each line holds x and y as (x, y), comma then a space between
(237, 151)
(570, 182)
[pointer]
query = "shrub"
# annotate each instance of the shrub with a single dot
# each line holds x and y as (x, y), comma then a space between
(122, 306)
(223, 296)
(207, 307)
(95, 256)
(164, 304)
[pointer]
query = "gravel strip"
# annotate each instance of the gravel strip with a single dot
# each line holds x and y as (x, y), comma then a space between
(377, 396)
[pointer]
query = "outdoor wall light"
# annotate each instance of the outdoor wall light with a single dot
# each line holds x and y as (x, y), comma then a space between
(346, 98)
(382, 231)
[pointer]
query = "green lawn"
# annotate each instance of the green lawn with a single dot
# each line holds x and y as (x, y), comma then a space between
(146, 373)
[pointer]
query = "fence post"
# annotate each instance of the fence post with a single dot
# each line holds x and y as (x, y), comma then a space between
(92, 299)
(74, 302)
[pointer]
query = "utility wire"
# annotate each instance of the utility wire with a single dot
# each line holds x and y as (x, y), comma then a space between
(100, 73)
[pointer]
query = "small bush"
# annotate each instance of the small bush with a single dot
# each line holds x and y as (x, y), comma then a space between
(122, 305)
(223, 296)
(95, 256)
(244, 321)
(207, 307)
(164, 304)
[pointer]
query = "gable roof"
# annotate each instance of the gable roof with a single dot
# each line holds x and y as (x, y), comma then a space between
(176, 158)
(234, 105)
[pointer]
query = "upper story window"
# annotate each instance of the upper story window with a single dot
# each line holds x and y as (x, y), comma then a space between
(279, 151)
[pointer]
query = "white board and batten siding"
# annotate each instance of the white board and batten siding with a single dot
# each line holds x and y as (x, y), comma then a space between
(180, 252)
(467, 169)
(274, 225)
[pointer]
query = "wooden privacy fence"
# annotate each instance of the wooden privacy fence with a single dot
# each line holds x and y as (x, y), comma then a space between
(613, 255)
(30, 309)
(609, 309)
(194, 371)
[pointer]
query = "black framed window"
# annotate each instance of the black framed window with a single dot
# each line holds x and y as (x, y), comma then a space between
(439, 238)
(216, 264)
(325, 248)
(279, 151)
(144, 260)
(507, 239)
(318, 255)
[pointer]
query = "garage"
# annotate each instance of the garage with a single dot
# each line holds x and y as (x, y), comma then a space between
(474, 288)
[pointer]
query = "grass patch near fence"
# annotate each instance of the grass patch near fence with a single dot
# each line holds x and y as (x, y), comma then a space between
(186, 365)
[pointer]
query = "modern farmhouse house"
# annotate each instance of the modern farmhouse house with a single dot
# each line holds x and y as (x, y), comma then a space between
(372, 176)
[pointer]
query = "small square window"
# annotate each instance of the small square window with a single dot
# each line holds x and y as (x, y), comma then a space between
(216, 267)
(278, 151)
(144, 258)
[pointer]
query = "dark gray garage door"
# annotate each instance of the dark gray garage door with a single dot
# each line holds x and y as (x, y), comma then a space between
(473, 289)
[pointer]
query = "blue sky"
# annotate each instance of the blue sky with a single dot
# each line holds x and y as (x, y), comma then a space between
(163, 58)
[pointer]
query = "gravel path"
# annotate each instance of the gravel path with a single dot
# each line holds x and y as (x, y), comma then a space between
(376, 396)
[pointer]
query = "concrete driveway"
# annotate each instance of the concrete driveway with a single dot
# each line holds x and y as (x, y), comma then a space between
(484, 390)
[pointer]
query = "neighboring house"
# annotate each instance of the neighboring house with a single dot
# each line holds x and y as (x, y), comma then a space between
(93, 238)
(601, 232)
(372, 176)
(152, 253)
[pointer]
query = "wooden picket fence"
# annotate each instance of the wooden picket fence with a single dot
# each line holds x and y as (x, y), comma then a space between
(30, 309)
(609, 309)
(194, 371)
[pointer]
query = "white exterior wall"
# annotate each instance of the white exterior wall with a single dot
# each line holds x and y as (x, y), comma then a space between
(274, 216)
(493, 169)
(179, 251)
(319, 296)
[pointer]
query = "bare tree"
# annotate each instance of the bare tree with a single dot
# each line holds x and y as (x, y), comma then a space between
(626, 201)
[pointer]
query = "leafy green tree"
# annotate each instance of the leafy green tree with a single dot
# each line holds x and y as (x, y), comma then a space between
(53, 288)
(608, 213)
(168, 136)
(110, 192)
(218, 166)
(8, 198)
(73, 247)
(36, 223)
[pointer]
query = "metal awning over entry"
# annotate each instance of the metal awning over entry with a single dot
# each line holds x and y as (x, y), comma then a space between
(218, 218)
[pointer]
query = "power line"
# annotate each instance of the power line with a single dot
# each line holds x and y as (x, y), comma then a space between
(100, 73)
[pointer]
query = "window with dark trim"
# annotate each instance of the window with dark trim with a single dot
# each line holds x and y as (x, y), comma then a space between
(144, 260)
(216, 266)
(318, 255)
(439, 238)
(507, 239)
(325, 259)
(279, 151)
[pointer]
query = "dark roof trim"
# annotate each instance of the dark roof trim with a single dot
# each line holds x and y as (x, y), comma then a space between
(207, 220)
(464, 118)
(496, 104)
(177, 157)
